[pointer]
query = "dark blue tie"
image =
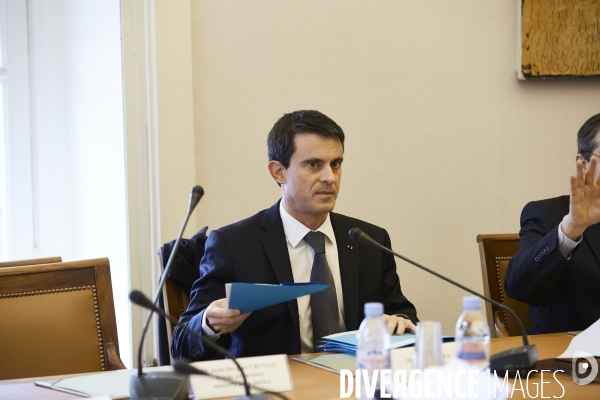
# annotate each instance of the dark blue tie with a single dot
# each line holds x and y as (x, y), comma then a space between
(324, 305)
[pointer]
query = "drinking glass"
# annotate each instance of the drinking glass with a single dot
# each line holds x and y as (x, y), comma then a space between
(428, 345)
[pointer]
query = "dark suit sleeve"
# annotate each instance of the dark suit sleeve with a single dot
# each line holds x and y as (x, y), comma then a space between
(215, 272)
(533, 272)
(394, 301)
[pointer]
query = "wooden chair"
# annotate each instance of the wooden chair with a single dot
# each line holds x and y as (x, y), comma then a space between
(57, 319)
(34, 261)
(494, 252)
(178, 285)
(175, 300)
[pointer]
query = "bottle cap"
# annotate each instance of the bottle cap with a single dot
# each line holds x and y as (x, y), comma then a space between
(373, 309)
(471, 303)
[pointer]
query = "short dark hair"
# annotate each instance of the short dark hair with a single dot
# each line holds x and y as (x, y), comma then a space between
(280, 141)
(586, 137)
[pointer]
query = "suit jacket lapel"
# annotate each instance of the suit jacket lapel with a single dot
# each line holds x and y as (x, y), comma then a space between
(348, 253)
(275, 246)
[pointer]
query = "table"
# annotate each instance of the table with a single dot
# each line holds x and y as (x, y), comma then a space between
(548, 346)
(315, 383)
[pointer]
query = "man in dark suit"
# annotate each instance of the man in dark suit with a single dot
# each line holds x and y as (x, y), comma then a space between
(278, 245)
(557, 267)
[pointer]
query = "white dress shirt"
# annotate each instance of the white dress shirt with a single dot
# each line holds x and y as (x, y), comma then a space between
(301, 259)
(566, 245)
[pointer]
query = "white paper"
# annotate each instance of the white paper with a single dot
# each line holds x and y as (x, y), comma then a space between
(269, 373)
(114, 384)
(96, 398)
(227, 292)
(586, 341)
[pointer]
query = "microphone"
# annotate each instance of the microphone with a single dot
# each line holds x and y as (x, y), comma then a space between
(145, 386)
(195, 196)
(183, 367)
(521, 359)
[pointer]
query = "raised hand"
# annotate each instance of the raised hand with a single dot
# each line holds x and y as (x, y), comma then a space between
(584, 207)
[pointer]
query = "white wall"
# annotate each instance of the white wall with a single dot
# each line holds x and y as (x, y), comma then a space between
(443, 142)
(157, 72)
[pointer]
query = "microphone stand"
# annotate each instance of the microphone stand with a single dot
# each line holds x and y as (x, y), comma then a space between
(522, 358)
(183, 367)
(169, 385)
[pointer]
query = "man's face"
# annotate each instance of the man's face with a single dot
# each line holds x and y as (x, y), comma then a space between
(595, 154)
(312, 180)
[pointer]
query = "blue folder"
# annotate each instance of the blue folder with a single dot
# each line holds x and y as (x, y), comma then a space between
(345, 342)
(253, 296)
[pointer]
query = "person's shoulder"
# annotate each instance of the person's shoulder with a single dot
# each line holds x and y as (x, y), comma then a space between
(244, 224)
(551, 204)
(550, 210)
(256, 222)
(345, 222)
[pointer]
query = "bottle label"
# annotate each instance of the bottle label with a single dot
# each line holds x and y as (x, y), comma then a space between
(471, 351)
(373, 360)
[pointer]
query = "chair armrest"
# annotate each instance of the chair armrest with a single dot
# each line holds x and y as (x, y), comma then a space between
(499, 326)
(113, 359)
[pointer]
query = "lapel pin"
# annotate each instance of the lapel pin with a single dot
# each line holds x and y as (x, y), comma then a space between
(350, 247)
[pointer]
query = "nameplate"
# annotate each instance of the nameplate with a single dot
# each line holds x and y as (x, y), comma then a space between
(265, 373)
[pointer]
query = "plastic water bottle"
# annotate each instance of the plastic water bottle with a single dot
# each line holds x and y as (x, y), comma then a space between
(473, 334)
(373, 347)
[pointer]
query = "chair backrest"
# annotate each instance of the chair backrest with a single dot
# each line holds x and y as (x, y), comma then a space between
(175, 300)
(34, 261)
(57, 319)
(178, 285)
(495, 251)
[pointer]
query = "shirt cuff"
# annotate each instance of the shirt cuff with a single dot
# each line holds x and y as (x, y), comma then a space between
(209, 333)
(566, 245)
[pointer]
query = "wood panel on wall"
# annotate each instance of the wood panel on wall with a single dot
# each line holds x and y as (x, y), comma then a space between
(560, 38)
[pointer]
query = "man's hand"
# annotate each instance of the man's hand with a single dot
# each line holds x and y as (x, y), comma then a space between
(398, 325)
(222, 319)
(584, 208)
